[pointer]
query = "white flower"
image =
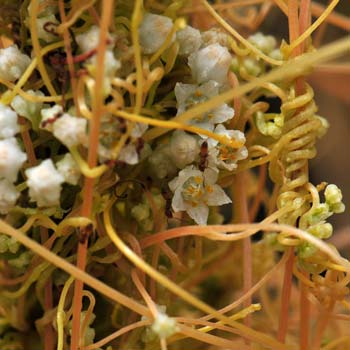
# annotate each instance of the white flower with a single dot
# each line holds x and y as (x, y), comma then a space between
(44, 183)
(189, 40)
(183, 148)
(28, 109)
(188, 95)
(164, 326)
(71, 131)
(8, 122)
(89, 40)
(49, 116)
(11, 159)
(44, 25)
(194, 191)
(69, 169)
(265, 43)
(13, 63)
(8, 196)
(153, 31)
(210, 63)
(223, 156)
(129, 155)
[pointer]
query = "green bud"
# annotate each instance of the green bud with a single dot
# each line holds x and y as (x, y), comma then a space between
(140, 212)
(322, 231)
(306, 250)
(318, 214)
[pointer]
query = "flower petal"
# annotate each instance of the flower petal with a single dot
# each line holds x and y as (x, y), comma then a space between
(210, 176)
(217, 196)
(178, 203)
(199, 213)
(221, 114)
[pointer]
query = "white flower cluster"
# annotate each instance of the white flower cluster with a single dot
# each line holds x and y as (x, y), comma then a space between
(11, 158)
(13, 63)
(194, 178)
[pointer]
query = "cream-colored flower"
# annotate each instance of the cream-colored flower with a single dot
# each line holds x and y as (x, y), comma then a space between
(8, 122)
(195, 190)
(189, 95)
(13, 63)
(210, 63)
(11, 159)
(70, 130)
(69, 169)
(44, 183)
(8, 196)
(223, 156)
(189, 40)
(153, 31)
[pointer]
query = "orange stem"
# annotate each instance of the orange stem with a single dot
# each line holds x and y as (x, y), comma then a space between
(107, 6)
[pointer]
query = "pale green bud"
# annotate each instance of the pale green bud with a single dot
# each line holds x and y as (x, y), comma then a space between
(322, 231)
(334, 198)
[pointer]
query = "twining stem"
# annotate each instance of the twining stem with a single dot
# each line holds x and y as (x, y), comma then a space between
(97, 107)
(293, 24)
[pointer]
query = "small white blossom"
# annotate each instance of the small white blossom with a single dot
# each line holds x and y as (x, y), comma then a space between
(129, 155)
(183, 148)
(210, 63)
(44, 183)
(71, 131)
(223, 156)
(164, 326)
(194, 191)
(69, 169)
(8, 122)
(28, 109)
(153, 31)
(13, 63)
(189, 40)
(90, 39)
(50, 22)
(49, 116)
(265, 43)
(8, 196)
(188, 95)
(11, 159)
